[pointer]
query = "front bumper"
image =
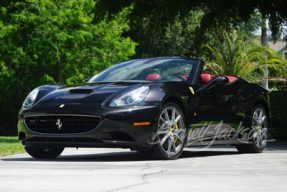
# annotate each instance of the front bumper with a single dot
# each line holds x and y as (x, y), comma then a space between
(114, 130)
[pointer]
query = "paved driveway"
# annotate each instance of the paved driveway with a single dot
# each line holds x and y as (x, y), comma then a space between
(216, 169)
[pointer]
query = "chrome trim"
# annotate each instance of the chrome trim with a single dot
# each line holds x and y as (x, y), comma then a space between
(37, 115)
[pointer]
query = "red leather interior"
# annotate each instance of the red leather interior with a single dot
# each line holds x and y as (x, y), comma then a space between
(152, 77)
(207, 77)
(231, 78)
(185, 76)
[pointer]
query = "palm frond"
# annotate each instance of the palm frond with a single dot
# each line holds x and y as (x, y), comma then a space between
(239, 56)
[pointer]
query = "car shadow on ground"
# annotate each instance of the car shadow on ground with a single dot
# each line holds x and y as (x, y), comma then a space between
(276, 146)
(119, 157)
(272, 147)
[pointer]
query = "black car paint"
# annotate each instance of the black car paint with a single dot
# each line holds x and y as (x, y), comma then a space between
(231, 103)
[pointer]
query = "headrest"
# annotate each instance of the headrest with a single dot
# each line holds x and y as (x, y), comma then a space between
(185, 77)
(152, 77)
(231, 78)
(205, 78)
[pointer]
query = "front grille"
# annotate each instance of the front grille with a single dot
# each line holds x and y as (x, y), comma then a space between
(62, 124)
(64, 139)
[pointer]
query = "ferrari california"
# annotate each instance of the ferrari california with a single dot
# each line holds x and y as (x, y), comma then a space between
(155, 106)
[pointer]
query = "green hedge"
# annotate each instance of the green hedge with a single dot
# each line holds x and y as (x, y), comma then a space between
(278, 108)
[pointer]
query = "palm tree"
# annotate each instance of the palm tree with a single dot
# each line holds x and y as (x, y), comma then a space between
(239, 56)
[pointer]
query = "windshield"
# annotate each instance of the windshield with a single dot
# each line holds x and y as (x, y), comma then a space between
(147, 70)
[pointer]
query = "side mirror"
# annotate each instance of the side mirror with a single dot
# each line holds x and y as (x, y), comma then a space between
(217, 80)
(85, 80)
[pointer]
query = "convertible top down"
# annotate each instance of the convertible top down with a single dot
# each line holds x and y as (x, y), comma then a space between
(156, 105)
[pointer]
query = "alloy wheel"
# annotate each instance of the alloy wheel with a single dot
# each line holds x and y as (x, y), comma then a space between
(171, 131)
(259, 123)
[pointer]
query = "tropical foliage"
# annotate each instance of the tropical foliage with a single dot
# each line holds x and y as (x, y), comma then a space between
(219, 13)
(239, 56)
(176, 40)
(54, 41)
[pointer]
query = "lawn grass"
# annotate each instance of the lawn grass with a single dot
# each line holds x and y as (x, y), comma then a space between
(10, 146)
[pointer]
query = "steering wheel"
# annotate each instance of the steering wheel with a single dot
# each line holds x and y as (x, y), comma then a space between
(173, 78)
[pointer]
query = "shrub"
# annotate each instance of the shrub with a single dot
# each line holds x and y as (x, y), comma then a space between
(278, 108)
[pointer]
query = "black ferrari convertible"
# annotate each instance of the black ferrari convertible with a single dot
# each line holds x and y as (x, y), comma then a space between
(156, 106)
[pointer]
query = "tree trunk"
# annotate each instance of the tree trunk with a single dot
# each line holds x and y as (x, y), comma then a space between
(264, 42)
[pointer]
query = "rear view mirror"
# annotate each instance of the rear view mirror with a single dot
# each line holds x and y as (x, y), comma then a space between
(85, 80)
(217, 80)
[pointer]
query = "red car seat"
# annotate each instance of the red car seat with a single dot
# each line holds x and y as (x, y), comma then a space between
(206, 78)
(185, 77)
(231, 78)
(152, 77)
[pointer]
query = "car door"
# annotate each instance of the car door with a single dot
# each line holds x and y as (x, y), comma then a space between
(221, 110)
(196, 125)
(227, 100)
(202, 111)
(211, 117)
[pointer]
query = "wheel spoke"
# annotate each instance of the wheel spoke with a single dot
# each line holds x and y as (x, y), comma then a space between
(178, 131)
(263, 137)
(180, 134)
(162, 126)
(260, 115)
(255, 116)
(164, 121)
(178, 138)
(173, 145)
(255, 134)
(173, 115)
(262, 120)
(163, 132)
(258, 140)
(164, 139)
(169, 146)
(177, 119)
(166, 115)
(263, 142)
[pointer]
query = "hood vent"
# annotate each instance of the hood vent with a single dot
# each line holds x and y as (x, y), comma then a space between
(83, 91)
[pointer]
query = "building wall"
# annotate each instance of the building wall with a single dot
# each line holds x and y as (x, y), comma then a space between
(282, 51)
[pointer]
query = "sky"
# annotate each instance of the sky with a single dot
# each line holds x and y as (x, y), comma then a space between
(258, 32)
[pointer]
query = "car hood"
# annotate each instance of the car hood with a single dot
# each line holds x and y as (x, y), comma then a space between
(96, 94)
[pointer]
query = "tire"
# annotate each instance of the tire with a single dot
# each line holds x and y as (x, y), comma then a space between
(170, 138)
(44, 153)
(260, 132)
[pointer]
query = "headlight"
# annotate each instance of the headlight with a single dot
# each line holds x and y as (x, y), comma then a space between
(30, 99)
(130, 98)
